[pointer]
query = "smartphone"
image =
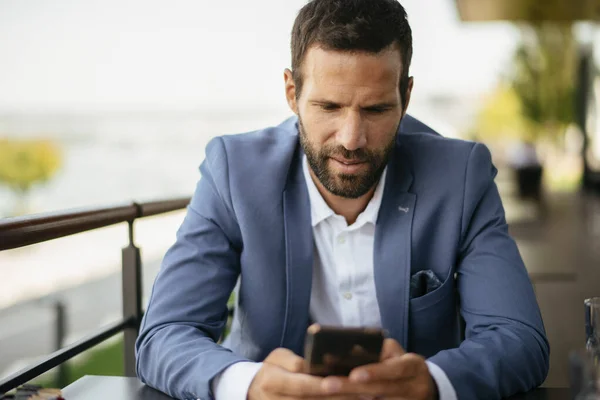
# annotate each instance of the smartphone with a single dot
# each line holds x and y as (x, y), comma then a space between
(337, 351)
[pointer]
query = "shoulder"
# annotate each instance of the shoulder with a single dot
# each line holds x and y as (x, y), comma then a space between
(253, 164)
(427, 147)
(271, 147)
(247, 148)
(426, 143)
(445, 161)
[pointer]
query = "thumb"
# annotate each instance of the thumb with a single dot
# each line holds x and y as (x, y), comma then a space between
(391, 348)
(286, 359)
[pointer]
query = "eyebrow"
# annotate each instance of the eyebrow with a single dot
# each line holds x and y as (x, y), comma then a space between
(320, 102)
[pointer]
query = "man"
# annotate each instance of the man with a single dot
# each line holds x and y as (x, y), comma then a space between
(341, 217)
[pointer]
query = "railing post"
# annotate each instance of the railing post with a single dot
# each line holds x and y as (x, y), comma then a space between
(132, 300)
(59, 340)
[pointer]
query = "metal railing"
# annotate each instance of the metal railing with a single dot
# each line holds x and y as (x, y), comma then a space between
(24, 231)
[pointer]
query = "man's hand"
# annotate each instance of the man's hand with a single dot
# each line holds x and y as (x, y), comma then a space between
(399, 375)
(282, 377)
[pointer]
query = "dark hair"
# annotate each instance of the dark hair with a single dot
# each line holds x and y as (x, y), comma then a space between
(352, 25)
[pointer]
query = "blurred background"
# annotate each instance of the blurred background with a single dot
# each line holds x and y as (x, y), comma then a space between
(109, 101)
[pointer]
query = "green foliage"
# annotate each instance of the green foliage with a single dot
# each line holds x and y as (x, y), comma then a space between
(501, 115)
(544, 78)
(537, 98)
(26, 162)
(106, 359)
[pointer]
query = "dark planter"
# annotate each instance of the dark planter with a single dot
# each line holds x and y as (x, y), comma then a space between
(529, 182)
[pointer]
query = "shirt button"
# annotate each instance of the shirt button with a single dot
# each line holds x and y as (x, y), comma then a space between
(348, 296)
(341, 239)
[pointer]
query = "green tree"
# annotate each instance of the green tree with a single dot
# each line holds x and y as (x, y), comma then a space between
(501, 116)
(543, 78)
(24, 163)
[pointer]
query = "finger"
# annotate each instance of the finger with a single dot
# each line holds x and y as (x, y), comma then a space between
(343, 386)
(399, 389)
(329, 397)
(295, 384)
(400, 367)
(391, 348)
(286, 359)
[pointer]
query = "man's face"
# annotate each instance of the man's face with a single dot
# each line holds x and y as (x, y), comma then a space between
(349, 111)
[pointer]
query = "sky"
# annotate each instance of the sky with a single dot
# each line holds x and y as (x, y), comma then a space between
(123, 55)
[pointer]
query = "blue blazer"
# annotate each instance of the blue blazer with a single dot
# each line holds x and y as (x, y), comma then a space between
(249, 219)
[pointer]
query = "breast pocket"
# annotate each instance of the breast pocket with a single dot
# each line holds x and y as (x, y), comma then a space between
(433, 320)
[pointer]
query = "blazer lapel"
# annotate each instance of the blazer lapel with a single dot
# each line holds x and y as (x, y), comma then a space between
(391, 256)
(299, 258)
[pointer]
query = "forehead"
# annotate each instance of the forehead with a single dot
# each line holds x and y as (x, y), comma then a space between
(372, 74)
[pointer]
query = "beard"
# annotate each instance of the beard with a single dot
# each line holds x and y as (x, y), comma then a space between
(350, 186)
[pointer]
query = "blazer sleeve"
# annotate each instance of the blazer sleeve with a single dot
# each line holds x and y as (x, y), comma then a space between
(505, 350)
(177, 351)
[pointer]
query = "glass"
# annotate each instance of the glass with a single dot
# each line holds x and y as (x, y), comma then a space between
(583, 375)
(584, 365)
(592, 324)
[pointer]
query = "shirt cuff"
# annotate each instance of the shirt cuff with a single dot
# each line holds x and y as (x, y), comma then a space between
(233, 383)
(445, 389)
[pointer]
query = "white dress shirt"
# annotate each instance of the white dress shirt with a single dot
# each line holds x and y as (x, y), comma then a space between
(343, 285)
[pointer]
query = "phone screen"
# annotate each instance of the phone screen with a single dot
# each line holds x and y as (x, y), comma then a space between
(337, 351)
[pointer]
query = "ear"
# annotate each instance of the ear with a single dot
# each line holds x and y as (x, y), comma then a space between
(290, 90)
(409, 88)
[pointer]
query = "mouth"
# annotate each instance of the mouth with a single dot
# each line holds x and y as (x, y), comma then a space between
(347, 162)
(348, 166)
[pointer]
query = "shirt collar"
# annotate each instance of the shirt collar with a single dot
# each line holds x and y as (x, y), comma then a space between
(320, 211)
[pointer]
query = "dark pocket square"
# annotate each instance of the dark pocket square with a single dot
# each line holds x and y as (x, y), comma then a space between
(423, 282)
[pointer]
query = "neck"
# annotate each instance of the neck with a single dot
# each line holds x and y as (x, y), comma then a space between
(350, 209)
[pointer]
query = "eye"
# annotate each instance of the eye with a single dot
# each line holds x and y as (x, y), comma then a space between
(376, 110)
(329, 107)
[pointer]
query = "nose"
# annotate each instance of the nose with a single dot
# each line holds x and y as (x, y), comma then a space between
(351, 133)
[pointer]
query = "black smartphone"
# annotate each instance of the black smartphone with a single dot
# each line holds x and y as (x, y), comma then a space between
(337, 351)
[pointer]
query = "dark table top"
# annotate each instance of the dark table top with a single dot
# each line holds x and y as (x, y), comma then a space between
(119, 388)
